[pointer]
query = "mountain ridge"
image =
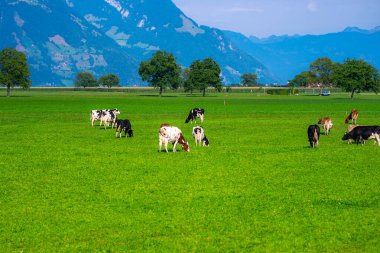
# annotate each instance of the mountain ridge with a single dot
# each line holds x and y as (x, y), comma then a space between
(287, 56)
(114, 36)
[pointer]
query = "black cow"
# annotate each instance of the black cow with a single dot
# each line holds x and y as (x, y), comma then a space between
(123, 125)
(313, 134)
(194, 114)
(363, 133)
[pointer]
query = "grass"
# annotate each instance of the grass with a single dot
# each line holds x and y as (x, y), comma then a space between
(68, 187)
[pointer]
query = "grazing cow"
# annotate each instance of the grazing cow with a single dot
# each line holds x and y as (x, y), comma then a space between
(349, 129)
(352, 116)
(326, 124)
(123, 125)
(109, 116)
(194, 114)
(313, 135)
(199, 136)
(173, 135)
(363, 133)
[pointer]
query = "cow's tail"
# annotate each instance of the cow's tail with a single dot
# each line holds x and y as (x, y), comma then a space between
(315, 135)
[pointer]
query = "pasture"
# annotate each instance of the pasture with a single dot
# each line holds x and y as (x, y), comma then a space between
(68, 187)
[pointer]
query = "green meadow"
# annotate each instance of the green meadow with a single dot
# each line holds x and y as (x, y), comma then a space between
(68, 187)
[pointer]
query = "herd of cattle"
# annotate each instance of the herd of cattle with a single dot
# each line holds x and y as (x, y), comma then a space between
(172, 134)
(354, 132)
(166, 132)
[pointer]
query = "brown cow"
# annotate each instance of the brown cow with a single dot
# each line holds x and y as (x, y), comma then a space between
(353, 116)
(326, 124)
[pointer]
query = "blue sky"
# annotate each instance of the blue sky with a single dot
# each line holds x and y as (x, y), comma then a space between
(263, 18)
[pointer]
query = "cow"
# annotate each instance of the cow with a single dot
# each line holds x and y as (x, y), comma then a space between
(123, 125)
(326, 124)
(313, 132)
(363, 133)
(173, 135)
(101, 115)
(109, 116)
(95, 115)
(199, 136)
(352, 116)
(349, 129)
(194, 114)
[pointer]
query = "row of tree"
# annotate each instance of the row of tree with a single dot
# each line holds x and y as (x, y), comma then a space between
(162, 71)
(86, 79)
(353, 75)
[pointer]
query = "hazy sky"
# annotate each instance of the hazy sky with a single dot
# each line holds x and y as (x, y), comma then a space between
(262, 18)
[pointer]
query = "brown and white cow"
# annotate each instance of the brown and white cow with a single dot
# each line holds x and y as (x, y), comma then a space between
(173, 135)
(326, 124)
(352, 116)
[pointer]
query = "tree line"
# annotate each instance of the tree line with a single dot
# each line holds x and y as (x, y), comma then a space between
(353, 76)
(162, 71)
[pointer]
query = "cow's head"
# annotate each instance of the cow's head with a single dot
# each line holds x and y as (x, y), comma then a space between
(186, 147)
(205, 142)
(130, 133)
(347, 136)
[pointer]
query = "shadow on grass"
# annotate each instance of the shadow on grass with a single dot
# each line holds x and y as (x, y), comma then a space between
(338, 203)
(16, 96)
(163, 96)
(199, 95)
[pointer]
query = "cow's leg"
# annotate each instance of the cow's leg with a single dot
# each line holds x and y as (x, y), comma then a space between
(377, 139)
(159, 145)
(166, 146)
(175, 146)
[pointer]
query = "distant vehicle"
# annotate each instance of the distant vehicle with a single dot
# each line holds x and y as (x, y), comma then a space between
(325, 93)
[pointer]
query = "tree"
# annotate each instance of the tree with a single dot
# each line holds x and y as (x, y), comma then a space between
(161, 71)
(187, 85)
(205, 74)
(14, 69)
(302, 79)
(248, 79)
(356, 76)
(323, 69)
(85, 79)
(109, 80)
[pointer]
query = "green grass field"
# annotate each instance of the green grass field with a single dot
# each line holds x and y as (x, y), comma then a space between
(68, 187)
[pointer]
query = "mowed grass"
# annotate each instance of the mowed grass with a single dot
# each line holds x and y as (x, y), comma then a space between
(68, 187)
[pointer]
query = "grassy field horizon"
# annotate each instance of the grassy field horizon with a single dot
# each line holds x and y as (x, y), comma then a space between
(67, 187)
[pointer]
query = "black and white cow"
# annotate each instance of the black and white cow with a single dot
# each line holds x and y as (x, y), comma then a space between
(313, 133)
(106, 115)
(194, 114)
(199, 136)
(363, 133)
(123, 126)
(109, 116)
(95, 115)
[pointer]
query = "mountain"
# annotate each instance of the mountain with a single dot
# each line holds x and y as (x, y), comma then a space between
(64, 37)
(287, 56)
